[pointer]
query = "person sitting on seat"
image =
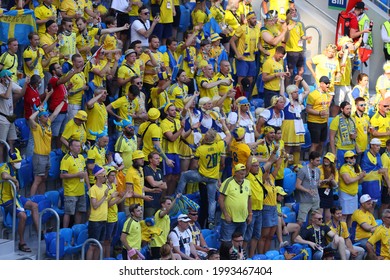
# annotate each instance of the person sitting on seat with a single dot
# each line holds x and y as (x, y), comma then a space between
(8, 174)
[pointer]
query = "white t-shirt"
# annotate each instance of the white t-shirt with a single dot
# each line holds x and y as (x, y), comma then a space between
(185, 237)
(7, 105)
(248, 124)
(120, 5)
(274, 121)
(136, 26)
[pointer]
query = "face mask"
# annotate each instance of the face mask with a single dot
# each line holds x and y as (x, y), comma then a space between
(17, 165)
(351, 162)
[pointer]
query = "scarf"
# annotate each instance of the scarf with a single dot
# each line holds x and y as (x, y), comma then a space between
(346, 126)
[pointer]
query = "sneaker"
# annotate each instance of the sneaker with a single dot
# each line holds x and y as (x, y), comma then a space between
(283, 244)
(211, 226)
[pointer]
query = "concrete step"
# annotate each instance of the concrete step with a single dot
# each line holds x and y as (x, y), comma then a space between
(19, 256)
(6, 247)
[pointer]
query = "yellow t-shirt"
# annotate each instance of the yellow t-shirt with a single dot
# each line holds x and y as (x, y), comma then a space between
(351, 189)
(381, 241)
(47, 39)
(341, 230)
(176, 95)
(270, 67)
(240, 153)
(136, 178)
(98, 156)
(232, 21)
(69, 46)
(134, 236)
(218, 13)
(319, 101)
(223, 90)
(334, 125)
(31, 55)
(42, 139)
(322, 176)
(71, 7)
(382, 83)
(6, 191)
(99, 214)
(126, 106)
(236, 201)
(97, 80)
(362, 125)
(244, 9)
(359, 217)
(74, 131)
(257, 190)
(125, 72)
(294, 42)
(10, 62)
(126, 147)
(78, 81)
(159, 100)
(97, 119)
(254, 37)
(198, 17)
(166, 126)
(43, 12)
(380, 124)
(86, 40)
(325, 67)
(112, 215)
(151, 79)
(271, 198)
(188, 60)
(153, 133)
(164, 223)
(72, 165)
(166, 11)
(209, 156)
(203, 92)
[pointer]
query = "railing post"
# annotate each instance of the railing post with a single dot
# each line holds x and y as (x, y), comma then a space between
(57, 235)
(91, 240)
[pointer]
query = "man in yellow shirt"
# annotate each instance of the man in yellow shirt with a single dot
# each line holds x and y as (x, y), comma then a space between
(380, 240)
(239, 149)
(98, 154)
(131, 236)
(342, 133)
(247, 37)
(236, 203)
(135, 181)
(127, 70)
(41, 132)
(362, 124)
(34, 59)
(126, 143)
(97, 113)
(44, 12)
(172, 130)
(9, 59)
(210, 156)
(75, 129)
(208, 85)
(318, 103)
(224, 73)
(74, 178)
(179, 90)
(49, 42)
(380, 123)
(164, 28)
(273, 72)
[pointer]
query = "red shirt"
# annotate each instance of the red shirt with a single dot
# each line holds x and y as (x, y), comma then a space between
(58, 95)
(354, 24)
(31, 97)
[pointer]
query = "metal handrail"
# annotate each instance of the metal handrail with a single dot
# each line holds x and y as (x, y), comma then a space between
(14, 188)
(57, 235)
(91, 240)
(319, 36)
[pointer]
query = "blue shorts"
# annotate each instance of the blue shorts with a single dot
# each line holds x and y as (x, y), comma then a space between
(110, 230)
(58, 125)
(270, 216)
(97, 230)
(176, 169)
(245, 68)
(8, 205)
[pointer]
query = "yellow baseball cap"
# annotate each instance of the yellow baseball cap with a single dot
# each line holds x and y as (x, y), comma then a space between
(153, 114)
(239, 167)
(81, 115)
(349, 154)
(137, 154)
(280, 190)
(330, 156)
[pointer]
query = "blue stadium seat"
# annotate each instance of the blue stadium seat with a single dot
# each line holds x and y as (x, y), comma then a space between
(212, 241)
(291, 218)
(54, 197)
(272, 254)
(259, 257)
(51, 240)
(43, 204)
(79, 240)
(25, 174)
(55, 161)
(290, 178)
(185, 18)
(23, 131)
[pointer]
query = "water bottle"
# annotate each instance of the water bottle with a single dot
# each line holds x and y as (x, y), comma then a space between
(59, 18)
(371, 24)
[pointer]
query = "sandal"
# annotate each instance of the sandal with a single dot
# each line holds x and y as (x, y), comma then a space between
(23, 247)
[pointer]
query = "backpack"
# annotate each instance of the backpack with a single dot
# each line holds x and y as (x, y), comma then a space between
(343, 24)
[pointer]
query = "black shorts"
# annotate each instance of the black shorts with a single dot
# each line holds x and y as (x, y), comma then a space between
(295, 59)
(385, 197)
(176, 19)
(318, 132)
(122, 19)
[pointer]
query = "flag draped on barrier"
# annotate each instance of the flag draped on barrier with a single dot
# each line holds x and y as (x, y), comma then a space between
(17, 24)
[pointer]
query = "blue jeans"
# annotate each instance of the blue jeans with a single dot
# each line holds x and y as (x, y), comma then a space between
(195, 177)
(228, 229)
(253, 230)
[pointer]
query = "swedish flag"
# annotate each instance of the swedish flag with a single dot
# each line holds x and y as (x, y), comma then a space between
(17, 24)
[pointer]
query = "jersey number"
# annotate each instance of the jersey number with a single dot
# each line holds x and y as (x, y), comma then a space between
(212, 160)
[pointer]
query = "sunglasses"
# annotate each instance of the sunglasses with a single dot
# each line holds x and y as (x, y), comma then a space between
(146, 13)
(386, 106)
(319, 219)
(139, 83)
(362, 105)
(240, 240)
(193, 214)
